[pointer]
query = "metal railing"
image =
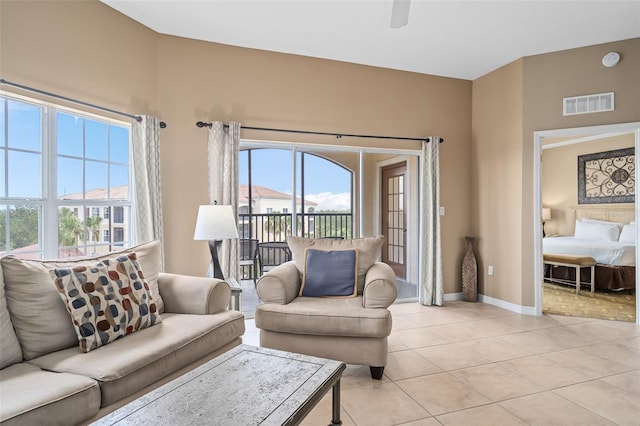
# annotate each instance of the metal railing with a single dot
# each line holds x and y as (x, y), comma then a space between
(275, 227)
(268, 227)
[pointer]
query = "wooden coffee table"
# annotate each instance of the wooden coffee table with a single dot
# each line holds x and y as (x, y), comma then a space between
(244, 386)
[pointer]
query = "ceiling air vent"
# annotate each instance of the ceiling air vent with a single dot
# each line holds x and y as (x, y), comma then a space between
(588, 103)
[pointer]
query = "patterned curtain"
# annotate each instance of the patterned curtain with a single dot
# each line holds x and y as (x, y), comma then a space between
(431, 276)
(147, 214)
(223, 148)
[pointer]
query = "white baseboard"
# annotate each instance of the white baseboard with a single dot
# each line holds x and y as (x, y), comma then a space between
(524, 310)
(519, 309)
(448, 297)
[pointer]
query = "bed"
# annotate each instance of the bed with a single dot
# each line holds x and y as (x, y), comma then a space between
(606, 234)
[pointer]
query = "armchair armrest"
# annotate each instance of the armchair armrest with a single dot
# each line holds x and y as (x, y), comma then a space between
(280, 285)
(380, 286)
(185, 294)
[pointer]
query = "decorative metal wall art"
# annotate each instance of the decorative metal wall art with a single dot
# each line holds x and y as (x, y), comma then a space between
(607, 177)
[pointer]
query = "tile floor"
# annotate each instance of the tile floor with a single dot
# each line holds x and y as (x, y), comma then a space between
(475, 364)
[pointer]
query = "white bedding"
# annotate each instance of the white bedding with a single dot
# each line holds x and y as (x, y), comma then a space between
(604, 252)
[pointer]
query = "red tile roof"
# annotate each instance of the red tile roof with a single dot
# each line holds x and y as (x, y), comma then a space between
(258, 192)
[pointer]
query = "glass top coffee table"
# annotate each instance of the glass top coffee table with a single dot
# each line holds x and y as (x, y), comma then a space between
(245, 386)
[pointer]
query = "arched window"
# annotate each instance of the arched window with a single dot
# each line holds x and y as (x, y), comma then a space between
(324, 190)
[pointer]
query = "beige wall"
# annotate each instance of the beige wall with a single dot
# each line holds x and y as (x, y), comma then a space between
(79, 49)
(509, 105)
(497, 180)
(88, 51)
(560, 179)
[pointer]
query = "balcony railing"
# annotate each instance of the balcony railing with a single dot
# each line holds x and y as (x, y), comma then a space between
(275, 227)
(267, 227)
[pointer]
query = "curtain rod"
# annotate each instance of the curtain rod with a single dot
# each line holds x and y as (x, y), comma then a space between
(75, 101)
(307, 132)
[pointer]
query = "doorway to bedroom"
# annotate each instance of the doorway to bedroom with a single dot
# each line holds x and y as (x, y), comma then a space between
(588, 209)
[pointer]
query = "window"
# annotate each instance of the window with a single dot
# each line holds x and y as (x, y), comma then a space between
(61, 172)
(322, 206)
(118, 235)
(118, 215)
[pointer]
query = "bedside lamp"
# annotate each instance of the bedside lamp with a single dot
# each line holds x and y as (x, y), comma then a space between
(546, 215)
(214, 224)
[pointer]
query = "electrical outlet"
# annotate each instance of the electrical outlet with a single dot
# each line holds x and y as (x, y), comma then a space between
(441, 211)
(490, 270)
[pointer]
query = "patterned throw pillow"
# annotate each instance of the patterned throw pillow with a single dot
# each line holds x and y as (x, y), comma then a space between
(107, 300)
(330, 273)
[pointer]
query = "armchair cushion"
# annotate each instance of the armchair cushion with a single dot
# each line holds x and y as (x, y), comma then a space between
(368, 251)
(280, 285)
(381, 287)
(345, 317)
(330, 273)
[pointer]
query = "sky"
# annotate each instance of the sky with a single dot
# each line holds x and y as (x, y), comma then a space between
(24, 156)
(326, 183)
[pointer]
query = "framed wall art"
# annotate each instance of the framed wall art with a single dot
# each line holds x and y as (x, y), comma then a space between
(607, 177)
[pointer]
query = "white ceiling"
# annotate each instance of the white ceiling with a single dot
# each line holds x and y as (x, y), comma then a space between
(460, 39)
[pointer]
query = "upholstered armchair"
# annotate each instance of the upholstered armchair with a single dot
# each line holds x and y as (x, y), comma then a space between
(352, 328)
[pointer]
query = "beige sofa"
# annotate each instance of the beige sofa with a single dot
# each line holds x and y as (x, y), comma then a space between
(46, 379)
(349, 329)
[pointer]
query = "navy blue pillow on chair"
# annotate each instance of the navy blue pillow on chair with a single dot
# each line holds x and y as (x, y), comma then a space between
(330, 273)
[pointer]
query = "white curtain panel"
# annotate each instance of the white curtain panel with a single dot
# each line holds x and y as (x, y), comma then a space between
(147, 215)
(223, 149)
(431, 275)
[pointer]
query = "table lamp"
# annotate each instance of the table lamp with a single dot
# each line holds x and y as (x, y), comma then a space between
(214, 224)
(546, 215)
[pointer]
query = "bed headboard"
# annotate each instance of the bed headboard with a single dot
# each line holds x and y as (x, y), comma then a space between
(621, 214)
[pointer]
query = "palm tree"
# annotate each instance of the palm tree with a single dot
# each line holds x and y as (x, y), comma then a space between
(93, 225)
(69, 227)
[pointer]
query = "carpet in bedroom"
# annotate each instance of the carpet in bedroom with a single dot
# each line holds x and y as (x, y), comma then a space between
(563, 300)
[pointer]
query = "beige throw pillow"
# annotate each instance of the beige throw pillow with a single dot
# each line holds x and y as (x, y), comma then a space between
(39, 316)
(368, 251)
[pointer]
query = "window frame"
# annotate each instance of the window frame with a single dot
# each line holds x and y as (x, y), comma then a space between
(49, 204)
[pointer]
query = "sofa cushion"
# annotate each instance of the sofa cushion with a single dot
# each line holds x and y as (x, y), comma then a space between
(31, 396)
(368, 251)
(140, 359)
(107, 300)
(324, 317)
(330, 273)
(10, 350)
(38, 314)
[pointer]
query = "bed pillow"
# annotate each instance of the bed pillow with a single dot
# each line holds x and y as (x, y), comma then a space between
(628, 234)
(330, 273)
(596, 231)
(107, 300)
(605, 222)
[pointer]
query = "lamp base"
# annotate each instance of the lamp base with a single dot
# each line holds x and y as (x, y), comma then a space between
(214, 245)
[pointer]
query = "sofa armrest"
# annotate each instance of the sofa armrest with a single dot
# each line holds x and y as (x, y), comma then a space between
(380, 286)
(183, 294)
(280, 285)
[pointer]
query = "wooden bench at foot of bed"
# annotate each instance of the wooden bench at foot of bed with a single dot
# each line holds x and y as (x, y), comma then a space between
(573, 261)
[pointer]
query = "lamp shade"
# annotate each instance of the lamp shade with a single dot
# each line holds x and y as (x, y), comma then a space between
(215, 222)
(546, 213)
